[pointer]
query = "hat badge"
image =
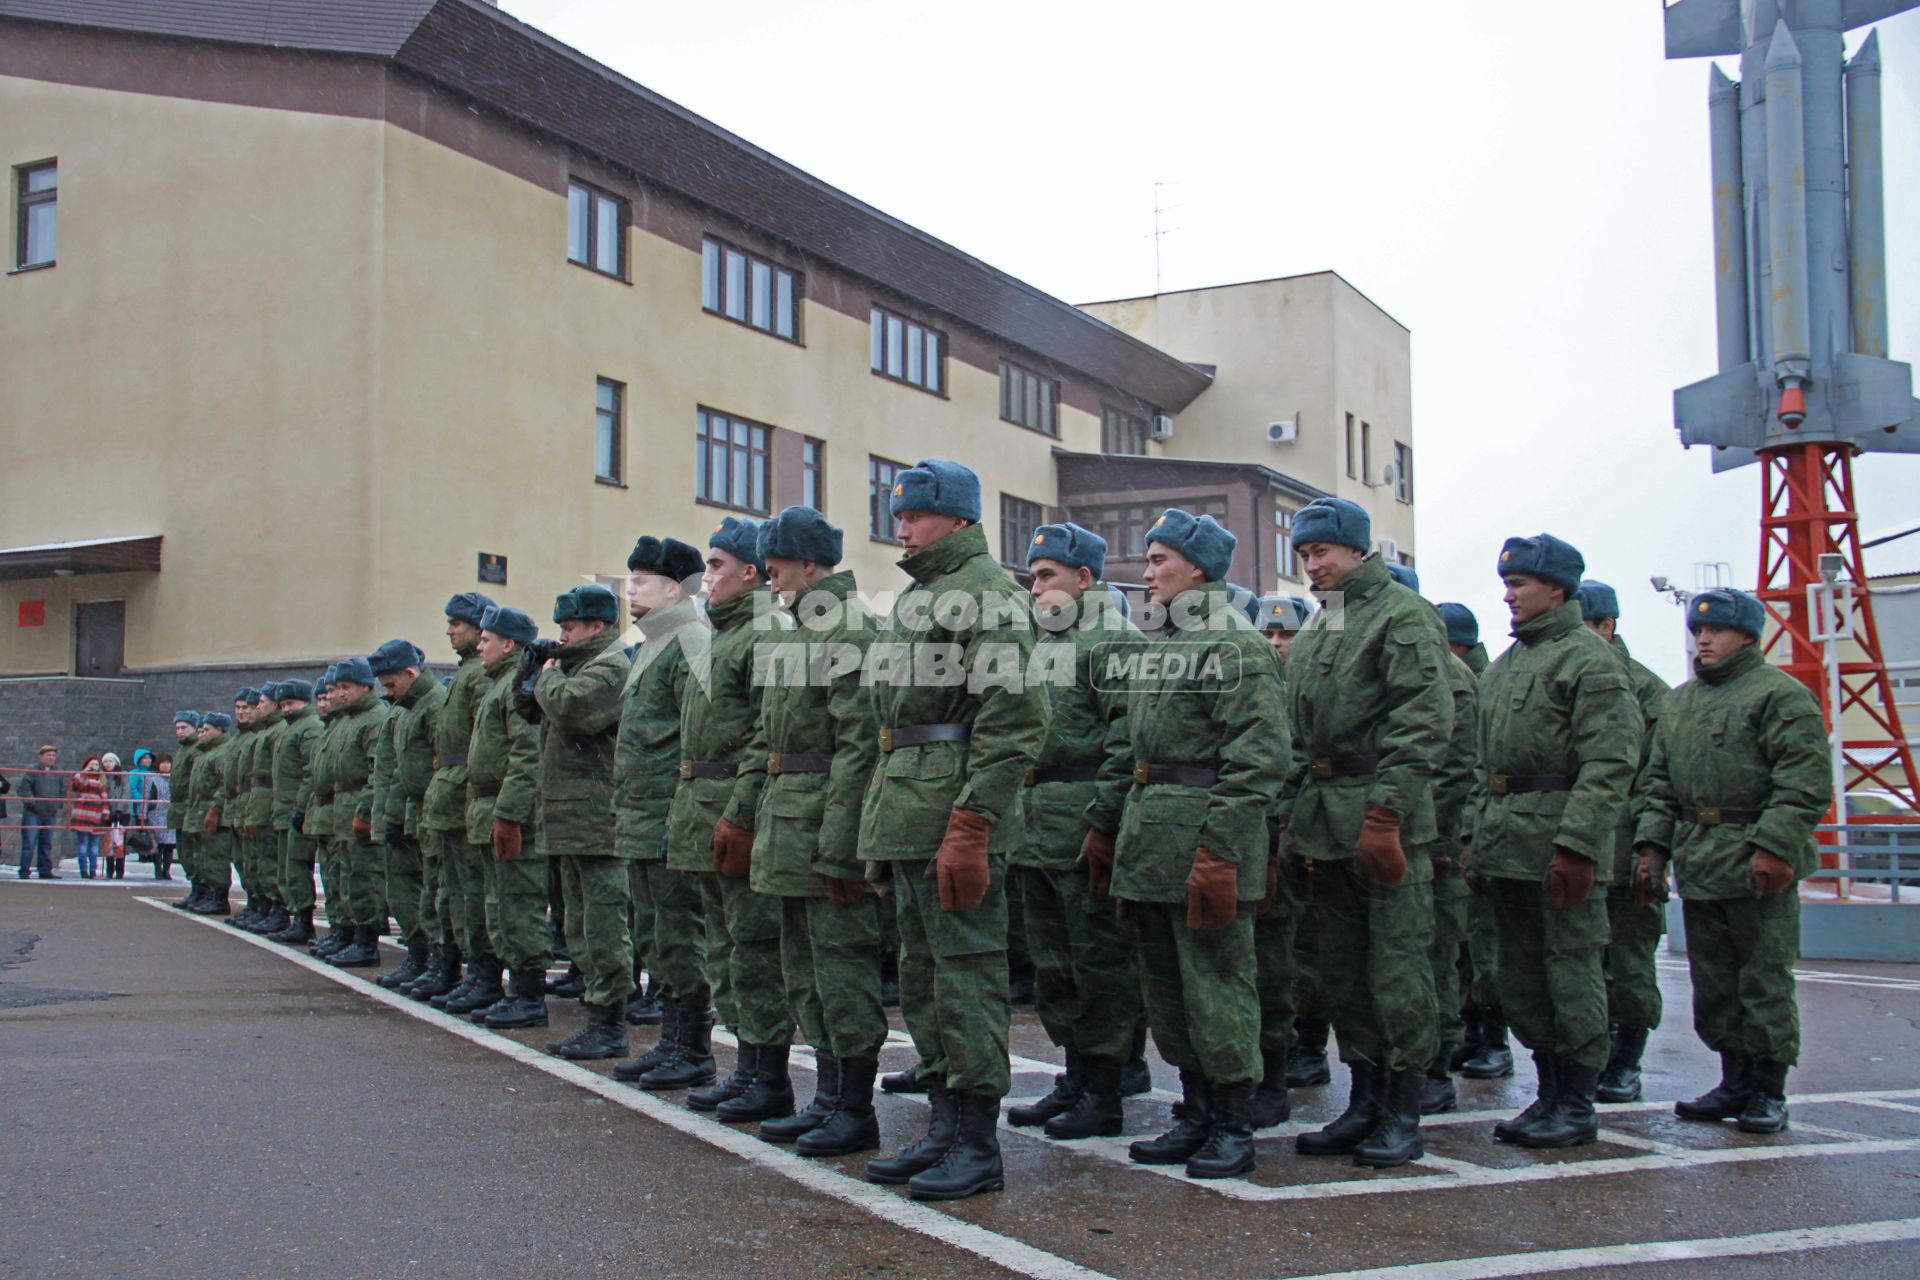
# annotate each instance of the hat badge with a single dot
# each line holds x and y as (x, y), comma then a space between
(1505, 556)
(899, 490)
(1703, 606)
(1039, 538)
(1157, 523)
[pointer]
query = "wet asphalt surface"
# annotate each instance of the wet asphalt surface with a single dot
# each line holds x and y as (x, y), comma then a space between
(183, 1103)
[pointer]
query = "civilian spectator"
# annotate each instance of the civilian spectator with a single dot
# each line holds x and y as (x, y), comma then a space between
(87, 814)
(42, 791)
(154, 814)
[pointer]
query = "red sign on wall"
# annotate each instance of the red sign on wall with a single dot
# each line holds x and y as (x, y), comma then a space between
(33, 613)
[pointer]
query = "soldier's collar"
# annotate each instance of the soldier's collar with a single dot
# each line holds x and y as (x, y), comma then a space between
(1551, 625)
(1733, 665)
(947, 554)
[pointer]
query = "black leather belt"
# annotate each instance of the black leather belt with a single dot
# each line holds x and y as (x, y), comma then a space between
(919, 735)
(1063, 773)
(1714, 815)
(486, 793)
(1182, 775)
(1353, 766)
(1515, 784)
(707, 769)
(800, 762)
(451, 760)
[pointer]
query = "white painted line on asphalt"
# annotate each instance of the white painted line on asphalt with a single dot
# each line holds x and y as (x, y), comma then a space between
(1846, 1235)
(889, 1206)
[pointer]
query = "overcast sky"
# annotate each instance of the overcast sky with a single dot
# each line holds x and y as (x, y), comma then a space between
(1524, 185)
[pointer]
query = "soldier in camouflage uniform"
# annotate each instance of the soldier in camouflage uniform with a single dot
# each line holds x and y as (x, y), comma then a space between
(669, 921)
(959, 727)
(1208, 744)
(577, 692)
(237, 786)
(292, 759)
(214, 848)
(1372, 717)
(403, 771)
(263, 846)
(186, 731)
(1560, 736)
(319, 825)
(1633, 929)
(502, 772)
(363, 718)
(452, 867)
(814, 747)
(1738, 782)
(1087, 972)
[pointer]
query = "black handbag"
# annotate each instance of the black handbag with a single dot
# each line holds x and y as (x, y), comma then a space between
(140, 842)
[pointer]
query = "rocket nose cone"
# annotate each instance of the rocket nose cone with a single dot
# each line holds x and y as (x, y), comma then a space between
(1782, 52)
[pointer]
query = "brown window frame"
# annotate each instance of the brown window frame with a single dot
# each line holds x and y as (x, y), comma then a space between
(1287, 564)
(1403, 467)
(594, 195)
(1015, 530)
(714, 288)
(1125, 524)
(24, 202)
(813, 473)
(879, 512)
(1119, 426)
(1352, 453)
(879, 350)
(757, 447)
(1009, 371)
(615, 421)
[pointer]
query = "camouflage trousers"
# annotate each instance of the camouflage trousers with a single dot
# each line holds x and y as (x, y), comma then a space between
(1740, 954)
(333, 880)
(1086, 971)
(1633, 941)
(402, 881)
(953, 978)
(679, 933)
(640, 916)
(1203, 1002)
(187, 850)
(719, 947)
(216, 858)
(1374, 972)
(1448, 958)
(830, 957)
(246, 863)
(365, 873)
(599, 902)
(470, 915)
(756, 1007)
(1275, 945)
(296, 870)
(517, 924)
(1553, 987)
(436, 905)
(1309, 1001)
(1483, 949)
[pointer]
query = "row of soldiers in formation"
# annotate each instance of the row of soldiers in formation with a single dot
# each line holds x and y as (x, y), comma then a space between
(1343, 815)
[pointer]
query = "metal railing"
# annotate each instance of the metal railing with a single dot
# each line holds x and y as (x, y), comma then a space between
(1884, 852)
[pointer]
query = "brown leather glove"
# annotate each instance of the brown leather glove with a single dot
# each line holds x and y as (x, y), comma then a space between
(506, 840)
(1650, 877)
(1569, 879)
(842, 892)
(1265, 904)
(961, 864)
(1771, 874)
(1442, 868)
(1382, 860)
(251, 831)
(362, 830)
(732, 849)
(210, 825)
(1097, 852)
(1213, 891)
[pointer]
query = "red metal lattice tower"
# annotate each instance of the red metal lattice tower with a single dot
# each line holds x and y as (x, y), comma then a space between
(1807, 510)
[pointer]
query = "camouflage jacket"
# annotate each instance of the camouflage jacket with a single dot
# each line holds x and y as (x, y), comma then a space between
(352, 742)
(1742, 734)
(445, 808)
(181, 783)
(209, 781)
(258, 808)
(1453, 784)
(580, 708)
(1367, 677)
(646, 752)
(321, 772)
(1204, 692)
(1556, 703)
(1650, 691)
(403, 764)
(292, 758)
(503, 760)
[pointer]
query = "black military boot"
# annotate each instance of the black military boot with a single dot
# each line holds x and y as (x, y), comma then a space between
(971, 1164)
(907, 1081)
(1065, 1092)
(245, 917)
(483, 988)
(746, 1059)
(277, 918)
(1620, 1082)
(1307, 1060)
(1437, 1094)
(1191, 1127)
(604, 1036)
(362, 953)
(571, 986)
(525, 1005)
(826, 1088)
(1571, 1121)
(643, 1006)
(299, 930)
(339, 936)
(1365, 1101)
(1727, 1099)
(1495, 1059)
(215, 903)
(1270, 1103)
(852, 1125)
(406, 971)
(442, 975)
(194, 891)
(1396, 1139)
(691, 1062)
(1228, 1150)
(927, 1152)
(769, 1096)
(1096, 1112)
(1766, 1109)
(1467, 1049)
(663, 1049)
(1547, 1067)
(1135, 1077)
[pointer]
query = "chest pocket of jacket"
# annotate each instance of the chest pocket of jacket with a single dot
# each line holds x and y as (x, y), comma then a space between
(1166, 808)
(801, 796)
(930, 763)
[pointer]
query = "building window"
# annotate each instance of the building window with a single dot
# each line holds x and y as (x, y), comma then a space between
(812, 459)
(748, 289)
(730, 462)
(1018, 521)
(1403, 472)
(596, 222)
(881, 473)
(1028, 399)
(608, 431)
(1125, 525)
(36, 214)
(1287, 566)
(908, 351)
(1352, 453)
(1366, 453)
(1122, 432)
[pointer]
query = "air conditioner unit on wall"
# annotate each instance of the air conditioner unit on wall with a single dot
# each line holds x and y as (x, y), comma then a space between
(1285, 432)
(1390, 550)
(1162, 427)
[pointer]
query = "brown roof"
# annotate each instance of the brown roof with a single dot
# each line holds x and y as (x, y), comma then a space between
(472, 49)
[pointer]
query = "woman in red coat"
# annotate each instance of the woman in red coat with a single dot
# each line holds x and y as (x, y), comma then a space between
(87, 814)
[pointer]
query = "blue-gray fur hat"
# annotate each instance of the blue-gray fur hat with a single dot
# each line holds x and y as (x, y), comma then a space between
(468, 606)
(293, 690)
(187, 717)
(1071, 545)
(739, 539)
(666, 557)
(1462, 626)
(247, 696)
(219, 720)
(1405, 576)
(590, 602)
(1198, 538)
(1283, 613)
(353, 671)
(1340, 521)
(509, 624)
(1726, 607)
(1545, 557)
(1597, 601)
(936, 485)
(393, 656)
(799, 533)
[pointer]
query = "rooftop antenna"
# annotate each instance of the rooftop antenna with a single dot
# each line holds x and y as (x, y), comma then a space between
(1159, 231)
